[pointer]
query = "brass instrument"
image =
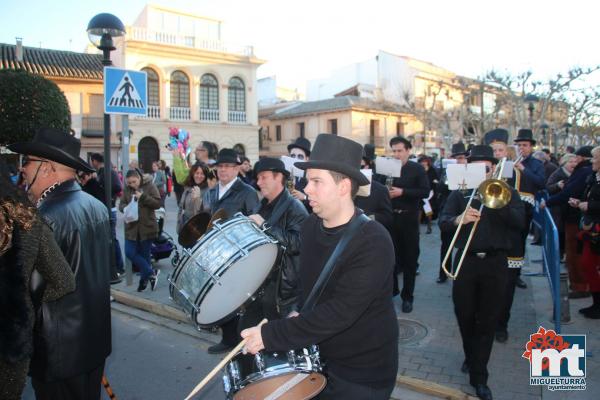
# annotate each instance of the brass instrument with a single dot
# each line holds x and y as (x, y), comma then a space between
(493, 193)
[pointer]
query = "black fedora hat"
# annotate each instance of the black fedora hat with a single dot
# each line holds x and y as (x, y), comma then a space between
(228, 156)
(525, 135)
(482, 152)
(270, 164)
(336, 153)
(300, 143)
(497, 135)
(54, 145)
(458, 149)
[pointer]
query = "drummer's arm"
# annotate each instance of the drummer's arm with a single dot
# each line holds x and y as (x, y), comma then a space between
(289, 235)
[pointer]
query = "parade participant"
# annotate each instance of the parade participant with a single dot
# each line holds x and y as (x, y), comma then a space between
(300, 150)
(406, 194)
(246, 173)
(432, 176)
(353, 320)
(193, 196)
(459, 153)
(233, 196)
(377, 205)
(140, 233)
(26, 244)
(529, 178)
(73, 334)
(482, 279)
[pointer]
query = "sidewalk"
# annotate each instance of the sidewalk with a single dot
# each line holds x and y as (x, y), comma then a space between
(430, 347)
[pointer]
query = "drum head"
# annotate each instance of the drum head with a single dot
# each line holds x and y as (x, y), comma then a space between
(193, 229)
(237, 284)
(292, 386)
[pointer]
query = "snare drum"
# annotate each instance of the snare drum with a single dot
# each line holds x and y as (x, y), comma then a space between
(223, 271)
(292, 375)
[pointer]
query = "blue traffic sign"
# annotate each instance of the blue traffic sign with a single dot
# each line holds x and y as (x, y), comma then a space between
(125, 91)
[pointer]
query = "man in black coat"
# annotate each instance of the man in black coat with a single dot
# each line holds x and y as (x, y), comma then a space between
(73, 334)
(377, 204)
(353, 320)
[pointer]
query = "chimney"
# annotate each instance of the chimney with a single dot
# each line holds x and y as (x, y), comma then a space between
(19, 50)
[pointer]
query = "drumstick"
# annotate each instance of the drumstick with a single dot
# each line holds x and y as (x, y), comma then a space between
(220, 365)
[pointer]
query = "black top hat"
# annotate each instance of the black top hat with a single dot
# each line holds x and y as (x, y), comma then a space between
(497, 135)
(54, 145)
(270, 164)
(228, 156)
(458, 149)
(482, 152)
(584, 151)
(525, 135)
(300, 143)
(336, 153)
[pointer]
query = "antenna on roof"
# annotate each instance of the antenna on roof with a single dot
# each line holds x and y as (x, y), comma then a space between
(19, 49)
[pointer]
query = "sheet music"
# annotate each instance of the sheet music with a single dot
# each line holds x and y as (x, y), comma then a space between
(289, 165)
(447, 161)
(465, 176)
(388, 166)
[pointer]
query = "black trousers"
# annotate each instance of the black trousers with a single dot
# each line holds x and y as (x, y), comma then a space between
(446, 240)
(340, 389)
(85, 386)
(507, 301)
(477, 294)
(405, 232)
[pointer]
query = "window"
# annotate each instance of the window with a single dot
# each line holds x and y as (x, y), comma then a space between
(399, 128)
(237, 95)
(332, 125)
(153, 87)
(373, 131)
(209, 92)
(301, 129)
(278, 133)
(180, 90)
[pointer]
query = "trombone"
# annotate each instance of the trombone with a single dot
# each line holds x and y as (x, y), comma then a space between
(493, 193)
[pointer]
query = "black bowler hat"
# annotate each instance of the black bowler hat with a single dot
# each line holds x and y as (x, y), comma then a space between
(270, 164)
(525, 135)
(458, 149)
(302, 144)
(497, 135)
(228, 156)
(584, 151)
(482, 152)
(54, 145)
(336, 153)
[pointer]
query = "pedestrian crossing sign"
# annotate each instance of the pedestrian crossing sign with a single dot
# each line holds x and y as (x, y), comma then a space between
(125, 91)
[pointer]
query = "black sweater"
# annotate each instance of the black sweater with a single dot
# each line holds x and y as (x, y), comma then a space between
(353, 322)
(415, 185)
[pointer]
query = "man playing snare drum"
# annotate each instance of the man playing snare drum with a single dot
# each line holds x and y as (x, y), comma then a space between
(353, 319)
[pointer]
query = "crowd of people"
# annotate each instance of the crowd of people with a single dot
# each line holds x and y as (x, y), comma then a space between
(325, 289)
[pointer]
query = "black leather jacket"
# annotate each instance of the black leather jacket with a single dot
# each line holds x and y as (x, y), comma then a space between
(73, 334)
(286, 230)
(239, 198)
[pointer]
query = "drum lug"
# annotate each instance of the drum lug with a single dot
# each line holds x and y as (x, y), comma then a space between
(233, 374)
(226, 384)
(259, 361)
(292, 358)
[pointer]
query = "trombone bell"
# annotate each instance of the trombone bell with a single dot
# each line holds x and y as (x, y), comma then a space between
(494, 193)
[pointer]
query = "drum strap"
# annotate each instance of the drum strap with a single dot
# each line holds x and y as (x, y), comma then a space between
(327, 271)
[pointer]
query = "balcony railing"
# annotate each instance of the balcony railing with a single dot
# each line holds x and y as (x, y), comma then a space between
(180, 113)
(153, 113)
(237, 117)
(92, 126)
(196, 42)
(209, 115)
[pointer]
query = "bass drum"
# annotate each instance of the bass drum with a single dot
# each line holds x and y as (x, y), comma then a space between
(223, 271)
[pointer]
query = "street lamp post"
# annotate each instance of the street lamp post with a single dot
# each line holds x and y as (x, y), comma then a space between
(544, 126)
(530, 99)
(566, 127)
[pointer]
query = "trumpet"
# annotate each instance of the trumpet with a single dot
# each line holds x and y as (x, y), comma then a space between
(493, 193)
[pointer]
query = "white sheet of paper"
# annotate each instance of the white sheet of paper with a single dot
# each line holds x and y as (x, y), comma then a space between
(465, 176)
(508, 170)
(448, 161)
(365, 190)
(289, 165)
(388, 166)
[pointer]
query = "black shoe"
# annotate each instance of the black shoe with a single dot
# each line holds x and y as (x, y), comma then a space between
(521, 284)
(464, 368)
(501, 336)
(442, 279)
(142, 286)
(219, 348)
(406, 306)
(116, 281)
(154, 279)
(483, 391)
(579, 295)
(594, 313)
(586, 310)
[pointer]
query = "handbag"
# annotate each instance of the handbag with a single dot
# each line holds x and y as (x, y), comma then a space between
(131, 211)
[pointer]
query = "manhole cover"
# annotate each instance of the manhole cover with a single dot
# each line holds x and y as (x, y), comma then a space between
(410, 332)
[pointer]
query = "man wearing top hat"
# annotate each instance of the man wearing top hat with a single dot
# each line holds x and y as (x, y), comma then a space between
(73, 334)
(300, 150)
(482, 278)
(233, 196)
(353, 320)
(459, 153)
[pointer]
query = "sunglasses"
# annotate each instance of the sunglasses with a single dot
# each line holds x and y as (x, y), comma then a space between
(298, 156)
(26, 160)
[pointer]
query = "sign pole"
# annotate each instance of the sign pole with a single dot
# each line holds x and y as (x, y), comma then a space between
(124, 169)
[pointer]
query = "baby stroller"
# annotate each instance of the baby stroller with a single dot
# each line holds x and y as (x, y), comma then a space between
(164, 245)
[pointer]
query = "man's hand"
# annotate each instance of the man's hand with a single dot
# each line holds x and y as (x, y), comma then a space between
(560, 184)
(258, 220)
(299, 195)
(293, 314)
(254, 342)
(573, 202)
(396, 192)
(471, 215)
(583, 206)
(519, 166)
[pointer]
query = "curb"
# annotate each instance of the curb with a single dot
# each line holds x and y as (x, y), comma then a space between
(148, 305)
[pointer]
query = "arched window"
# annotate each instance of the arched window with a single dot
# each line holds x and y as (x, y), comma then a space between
(180, 90)
(209, 92)
(237, 95)
(153, 87)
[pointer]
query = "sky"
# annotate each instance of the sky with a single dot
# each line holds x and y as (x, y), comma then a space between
(302, 40)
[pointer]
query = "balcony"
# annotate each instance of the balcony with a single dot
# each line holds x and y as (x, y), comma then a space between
(92, 126)
(209, 115)
(180, 113)
(194, 42)
(153, 113)
(237, 117)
